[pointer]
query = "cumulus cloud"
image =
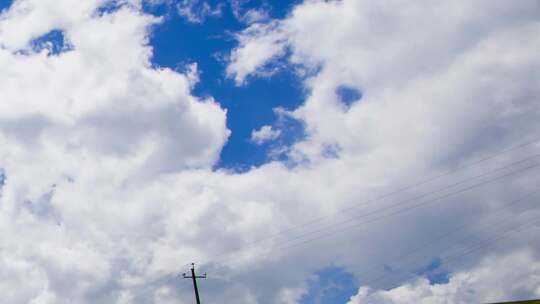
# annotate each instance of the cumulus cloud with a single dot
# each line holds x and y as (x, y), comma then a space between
(96, 116)
(196, 11)
(259, 43)
(249, 16)
(421, 81)
(264, 134)
(496, 279)
(109, 186)
(361, 50)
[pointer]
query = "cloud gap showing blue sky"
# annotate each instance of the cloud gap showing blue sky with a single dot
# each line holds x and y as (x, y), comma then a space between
(330, 285)
(53, 42)
(249, 106)
(4, 4)
(290, 149)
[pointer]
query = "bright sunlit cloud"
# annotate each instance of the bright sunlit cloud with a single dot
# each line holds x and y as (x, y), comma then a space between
(363, 132)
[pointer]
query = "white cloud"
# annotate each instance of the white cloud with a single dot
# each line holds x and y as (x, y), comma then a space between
(496, 279)
(92, 120)
(196, 11)
(433, 93)
(355, 44)
(131, 151)
(264, 134)
(258, 44)
(249, 16)
(26, 20)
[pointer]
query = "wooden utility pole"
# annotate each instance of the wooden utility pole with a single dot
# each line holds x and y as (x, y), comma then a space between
(194, 277)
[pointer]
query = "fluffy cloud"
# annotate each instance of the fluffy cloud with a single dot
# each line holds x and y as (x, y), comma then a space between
(433, 93)
(110, 189)
(248, 16)
(514, 276)
(196, 11)
(75, 129)
(259, 43)
(404, 71)
(264, 134)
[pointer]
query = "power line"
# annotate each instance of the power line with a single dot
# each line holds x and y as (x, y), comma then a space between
(398, 204)
(425, 181)
(399, 211)
(354, 206)
(476, 247)
(462, 227)
(437, 199)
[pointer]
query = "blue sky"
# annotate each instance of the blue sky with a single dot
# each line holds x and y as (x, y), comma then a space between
(4, 4)
(177, 42)
(109, 153)
(330, 285)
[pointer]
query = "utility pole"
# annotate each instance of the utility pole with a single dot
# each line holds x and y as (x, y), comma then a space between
(194, 277)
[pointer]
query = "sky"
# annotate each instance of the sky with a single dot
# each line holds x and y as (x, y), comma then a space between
(305, 151)
(249, 106)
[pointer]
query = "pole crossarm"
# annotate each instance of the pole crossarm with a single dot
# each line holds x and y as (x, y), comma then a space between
(194, 277)
(197, 277)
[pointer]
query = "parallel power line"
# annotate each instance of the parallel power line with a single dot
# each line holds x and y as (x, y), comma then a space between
(409, 207)
(447, 234)
(168, 278)
(379, 198)
(395, 209)
(486, 243)
(483, 244)
(432, 200)
(448, 259)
